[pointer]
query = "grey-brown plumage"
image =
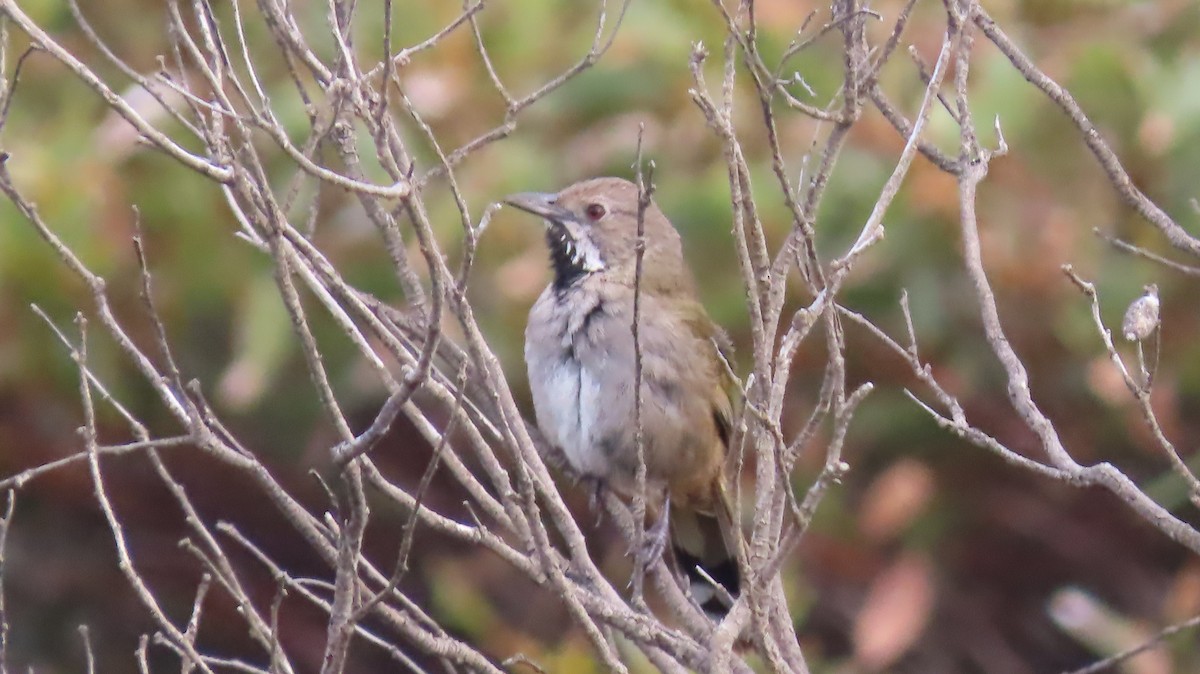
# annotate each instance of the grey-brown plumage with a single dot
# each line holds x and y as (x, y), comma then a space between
(579, 350)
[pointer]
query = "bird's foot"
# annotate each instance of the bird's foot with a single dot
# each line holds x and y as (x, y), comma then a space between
(648, 550)
(654, 539)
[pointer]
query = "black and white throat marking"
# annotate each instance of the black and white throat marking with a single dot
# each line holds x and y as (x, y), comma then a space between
(572, 253)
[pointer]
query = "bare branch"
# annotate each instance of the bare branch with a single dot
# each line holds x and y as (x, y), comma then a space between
(1114, 660)
(1117, 175)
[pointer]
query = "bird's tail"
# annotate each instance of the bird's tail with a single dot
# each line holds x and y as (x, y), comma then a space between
(704, 545)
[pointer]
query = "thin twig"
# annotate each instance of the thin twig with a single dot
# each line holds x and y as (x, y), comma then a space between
(1114, 660)
(5, 523)
(645, 187)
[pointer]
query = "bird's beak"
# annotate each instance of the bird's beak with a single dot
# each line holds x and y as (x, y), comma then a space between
(539, 203)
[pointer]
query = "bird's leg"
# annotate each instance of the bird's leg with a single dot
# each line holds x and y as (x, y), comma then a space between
(654, 539)
(650, 547)
(595, 489)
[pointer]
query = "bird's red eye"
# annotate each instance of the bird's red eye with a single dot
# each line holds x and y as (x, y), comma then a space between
(595, 211)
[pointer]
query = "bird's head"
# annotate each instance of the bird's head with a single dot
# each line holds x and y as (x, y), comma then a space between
(591, 228)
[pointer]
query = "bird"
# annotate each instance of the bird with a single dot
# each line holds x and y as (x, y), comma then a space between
(580, 356)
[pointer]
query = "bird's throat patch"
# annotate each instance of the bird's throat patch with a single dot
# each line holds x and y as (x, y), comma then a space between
(573, 255)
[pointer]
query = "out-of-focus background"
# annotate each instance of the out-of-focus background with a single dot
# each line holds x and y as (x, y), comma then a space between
(931, 556)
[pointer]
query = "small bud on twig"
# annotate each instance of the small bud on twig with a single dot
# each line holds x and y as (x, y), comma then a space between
(1141, 318)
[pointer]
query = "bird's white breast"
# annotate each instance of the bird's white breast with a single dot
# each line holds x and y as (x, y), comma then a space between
(568, 396)
(567, 403)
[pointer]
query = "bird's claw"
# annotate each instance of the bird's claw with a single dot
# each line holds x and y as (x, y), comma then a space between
(654, 541)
